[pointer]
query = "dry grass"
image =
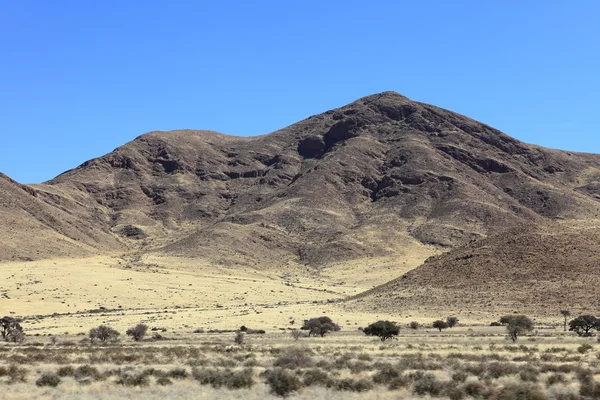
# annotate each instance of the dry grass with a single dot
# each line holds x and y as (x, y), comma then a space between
(466, 362)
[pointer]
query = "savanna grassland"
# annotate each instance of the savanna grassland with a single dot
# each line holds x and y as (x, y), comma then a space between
(463, 362)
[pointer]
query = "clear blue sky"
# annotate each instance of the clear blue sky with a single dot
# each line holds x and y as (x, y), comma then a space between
(80, 78)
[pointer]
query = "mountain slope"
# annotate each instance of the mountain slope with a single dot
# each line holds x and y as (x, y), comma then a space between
(540, 268)
(44, 222)
(379, 177)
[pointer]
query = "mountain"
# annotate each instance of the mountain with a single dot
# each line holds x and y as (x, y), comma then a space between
(381, 177)
(533, 268)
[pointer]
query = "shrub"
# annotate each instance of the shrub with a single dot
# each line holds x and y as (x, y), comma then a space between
(351, 385)
(383, 329)
(521, 391)
(282, 382)
(584, 348)
(556, 378)
(428, 384)
(320, 326)
(385, 375)
(132, 379)
(439, 324)
(138, 332)
(414, 325)
(294, 357)
(67, 370)
(16, 374)
(497, 369)
(103, 333)
(239, 338)
(529, 373)
(51, 380)
(452, 322)
(475, 389)
(316, 376)
(225, 377)
(164, 381)
(178, 373)
(459, 376)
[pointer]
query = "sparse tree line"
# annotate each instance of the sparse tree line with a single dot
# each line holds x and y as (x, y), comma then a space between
(516, 325)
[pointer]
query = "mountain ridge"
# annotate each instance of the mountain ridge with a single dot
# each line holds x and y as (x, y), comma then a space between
(377, 177)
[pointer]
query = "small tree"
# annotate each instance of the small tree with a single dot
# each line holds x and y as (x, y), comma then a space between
(565, 314)
(583, 324)
(516, 325)
(452, 322)
(320, 326)
(384, 329)
(138, 332)
(103, 333)
(439, 324)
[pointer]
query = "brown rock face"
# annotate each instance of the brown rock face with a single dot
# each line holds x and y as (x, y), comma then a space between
(367, 179)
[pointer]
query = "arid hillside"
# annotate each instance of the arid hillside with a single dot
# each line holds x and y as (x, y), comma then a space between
(381, 177)
(534, 268)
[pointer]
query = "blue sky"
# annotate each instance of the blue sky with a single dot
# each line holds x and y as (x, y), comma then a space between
(80, 78)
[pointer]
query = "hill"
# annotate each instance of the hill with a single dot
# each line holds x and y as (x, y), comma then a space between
(381, 177)
(534, 268)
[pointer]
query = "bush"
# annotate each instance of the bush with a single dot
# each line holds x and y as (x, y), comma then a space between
(459, 376)
(414, 325)
(67, 370)
(452, 322)
(320, 326)
(383, 329)
(225, 377)
(428, 384)
(556, 378)
(521, 391)
(138, 332)
(385, 375)
(439, 324)
(51, 380)
(351, 385)
(294, 357)
(164, 381)
(584, 348)
(239, 337)
(132, 379)
(282, 382)
(103, 333)
(316, 376)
